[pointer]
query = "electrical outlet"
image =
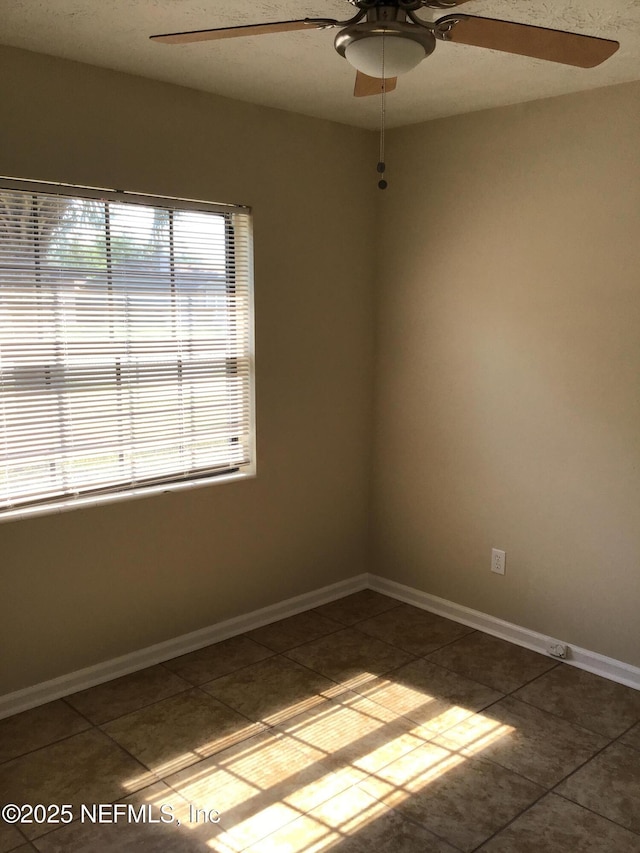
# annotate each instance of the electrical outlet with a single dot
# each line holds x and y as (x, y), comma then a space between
(498, 561)
(557, 650)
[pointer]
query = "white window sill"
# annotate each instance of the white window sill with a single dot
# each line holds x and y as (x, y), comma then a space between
(57, 507)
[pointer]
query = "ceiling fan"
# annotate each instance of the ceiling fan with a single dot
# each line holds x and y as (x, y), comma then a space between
(386, 38)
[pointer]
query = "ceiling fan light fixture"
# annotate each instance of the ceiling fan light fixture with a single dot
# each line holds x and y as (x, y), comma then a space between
(400, 55)
(405, 46)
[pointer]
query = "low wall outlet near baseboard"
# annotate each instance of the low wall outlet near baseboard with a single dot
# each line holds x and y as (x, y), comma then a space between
(557, 650)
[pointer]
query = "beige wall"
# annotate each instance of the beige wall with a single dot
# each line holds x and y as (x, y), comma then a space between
(87, 585)
(508, 365)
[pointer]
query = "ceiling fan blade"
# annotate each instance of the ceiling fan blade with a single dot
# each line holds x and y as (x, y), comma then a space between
(538, 42)
(366, 85)
(247, 30)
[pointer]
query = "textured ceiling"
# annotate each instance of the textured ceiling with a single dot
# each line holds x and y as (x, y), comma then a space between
(301, 72)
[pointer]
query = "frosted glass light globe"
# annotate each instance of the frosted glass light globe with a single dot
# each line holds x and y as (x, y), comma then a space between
(400, 55)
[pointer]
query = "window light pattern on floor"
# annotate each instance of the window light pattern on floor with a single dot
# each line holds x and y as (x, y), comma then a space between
(325, 733)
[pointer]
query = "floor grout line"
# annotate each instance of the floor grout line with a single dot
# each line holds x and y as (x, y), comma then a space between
(597, 814)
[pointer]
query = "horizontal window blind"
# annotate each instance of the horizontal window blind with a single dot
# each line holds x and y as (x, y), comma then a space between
(125, 344)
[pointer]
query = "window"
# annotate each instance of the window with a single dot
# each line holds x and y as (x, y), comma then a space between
(125, 344)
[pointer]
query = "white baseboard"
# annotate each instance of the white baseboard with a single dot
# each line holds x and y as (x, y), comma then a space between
(609, 668)
(47, 691)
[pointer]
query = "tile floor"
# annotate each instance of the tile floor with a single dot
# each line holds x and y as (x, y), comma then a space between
(362, 724)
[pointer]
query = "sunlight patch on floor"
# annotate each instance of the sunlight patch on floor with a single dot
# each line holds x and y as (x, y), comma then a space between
(403, 699)
(474, 735)
(308, 704)
(186, 759)
(295, 788)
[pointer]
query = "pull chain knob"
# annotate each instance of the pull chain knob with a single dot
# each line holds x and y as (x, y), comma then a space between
(382, 184)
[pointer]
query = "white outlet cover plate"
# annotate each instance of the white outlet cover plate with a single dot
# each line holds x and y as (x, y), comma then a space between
(498, 561)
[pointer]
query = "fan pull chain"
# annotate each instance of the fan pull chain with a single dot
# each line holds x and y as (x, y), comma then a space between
(382, 184)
